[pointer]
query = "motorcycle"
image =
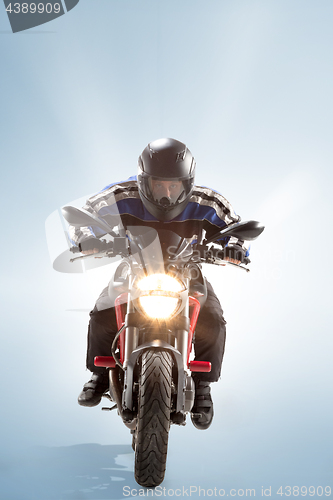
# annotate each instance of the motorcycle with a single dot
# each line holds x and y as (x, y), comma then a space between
(157, 289)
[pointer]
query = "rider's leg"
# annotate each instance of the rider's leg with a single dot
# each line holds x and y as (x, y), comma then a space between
(209, 345)
(210, 334)
(101, 332)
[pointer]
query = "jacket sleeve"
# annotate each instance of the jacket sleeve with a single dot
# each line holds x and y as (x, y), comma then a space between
(220, 215)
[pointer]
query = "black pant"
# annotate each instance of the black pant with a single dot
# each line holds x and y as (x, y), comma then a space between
(209, 340)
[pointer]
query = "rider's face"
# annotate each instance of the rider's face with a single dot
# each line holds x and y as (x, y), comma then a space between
(167, 189)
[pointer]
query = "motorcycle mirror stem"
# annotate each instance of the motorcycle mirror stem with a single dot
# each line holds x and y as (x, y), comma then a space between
(247, 230)
(79, 217)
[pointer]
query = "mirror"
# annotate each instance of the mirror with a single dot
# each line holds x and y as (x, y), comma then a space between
(247, 230)
(80, 217)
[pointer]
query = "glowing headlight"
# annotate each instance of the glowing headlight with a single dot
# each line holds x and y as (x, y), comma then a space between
(160, 295)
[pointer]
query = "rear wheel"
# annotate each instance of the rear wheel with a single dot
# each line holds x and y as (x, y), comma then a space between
(151, 439)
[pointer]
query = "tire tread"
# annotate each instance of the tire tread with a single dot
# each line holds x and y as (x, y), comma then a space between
(153, 418)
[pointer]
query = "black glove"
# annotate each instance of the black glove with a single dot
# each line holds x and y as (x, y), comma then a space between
(236, 252)
(91, 243)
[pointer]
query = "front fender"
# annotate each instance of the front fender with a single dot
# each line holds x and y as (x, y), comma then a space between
(160, 345)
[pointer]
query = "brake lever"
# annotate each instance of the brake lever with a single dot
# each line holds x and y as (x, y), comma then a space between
(99, 255)
(221, 262)
(104, 254)
(235, 265)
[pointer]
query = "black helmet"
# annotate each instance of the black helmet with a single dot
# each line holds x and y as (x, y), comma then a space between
(166, 178)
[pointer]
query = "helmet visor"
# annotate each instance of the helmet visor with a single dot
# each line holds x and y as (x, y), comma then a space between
(165, 192)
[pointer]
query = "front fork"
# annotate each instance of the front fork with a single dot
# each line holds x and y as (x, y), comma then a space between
(130, 352)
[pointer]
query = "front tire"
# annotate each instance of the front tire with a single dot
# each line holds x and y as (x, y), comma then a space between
(151, 440)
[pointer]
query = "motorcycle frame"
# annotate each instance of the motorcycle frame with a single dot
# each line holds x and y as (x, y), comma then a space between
(130, 351)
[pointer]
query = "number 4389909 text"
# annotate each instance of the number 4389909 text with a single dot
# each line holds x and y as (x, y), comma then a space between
(33, 8)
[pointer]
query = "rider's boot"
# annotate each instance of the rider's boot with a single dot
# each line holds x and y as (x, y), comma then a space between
(93, 390)
(202, 412)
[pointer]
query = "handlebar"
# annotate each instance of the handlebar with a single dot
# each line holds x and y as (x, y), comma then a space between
(102, 246)
(109, 248)
(118, 246)
(211, 254)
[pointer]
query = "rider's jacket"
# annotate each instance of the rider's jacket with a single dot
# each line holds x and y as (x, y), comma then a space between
(207, 210)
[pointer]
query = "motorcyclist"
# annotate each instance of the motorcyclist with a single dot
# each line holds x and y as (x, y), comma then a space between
(162, 196)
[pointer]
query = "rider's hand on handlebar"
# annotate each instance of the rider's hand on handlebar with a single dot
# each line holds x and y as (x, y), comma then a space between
(235, 254)
(90, 252)
(91, 246)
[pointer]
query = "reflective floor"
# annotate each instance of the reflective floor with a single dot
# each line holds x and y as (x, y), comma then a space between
(81, 472)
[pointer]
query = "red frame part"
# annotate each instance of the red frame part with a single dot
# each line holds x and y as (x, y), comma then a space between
(200, 366)
(194, 309)
(105, 361)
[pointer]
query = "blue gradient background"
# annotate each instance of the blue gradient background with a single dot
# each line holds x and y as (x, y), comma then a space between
(248, 86)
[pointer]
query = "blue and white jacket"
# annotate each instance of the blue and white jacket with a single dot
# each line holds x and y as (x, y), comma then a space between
(207, 210)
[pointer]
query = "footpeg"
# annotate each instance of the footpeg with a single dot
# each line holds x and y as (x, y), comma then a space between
(106, 408)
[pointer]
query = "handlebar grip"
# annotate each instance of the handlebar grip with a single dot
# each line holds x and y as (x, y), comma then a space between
(102, 244)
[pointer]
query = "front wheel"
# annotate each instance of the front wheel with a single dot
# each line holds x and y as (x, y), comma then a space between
(151, 440)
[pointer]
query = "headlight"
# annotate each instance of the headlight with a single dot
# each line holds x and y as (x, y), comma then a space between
(159, 296)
